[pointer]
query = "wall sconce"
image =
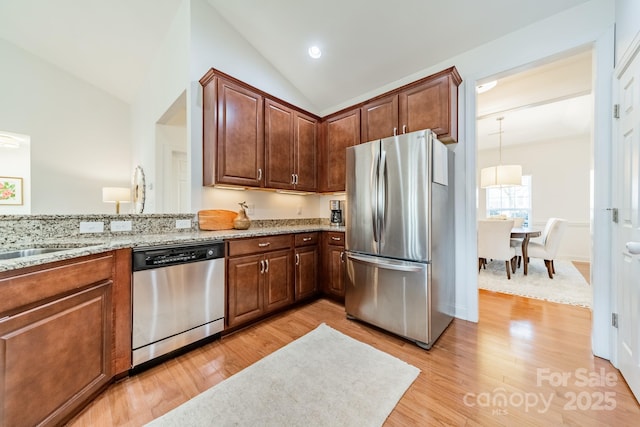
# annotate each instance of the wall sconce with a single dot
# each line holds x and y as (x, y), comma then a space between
(116, 195)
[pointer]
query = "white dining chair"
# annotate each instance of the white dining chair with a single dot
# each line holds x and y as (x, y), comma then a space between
(494, 243)
(548, 248)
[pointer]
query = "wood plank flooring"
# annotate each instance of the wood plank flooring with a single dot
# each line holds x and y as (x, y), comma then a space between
(495, 372)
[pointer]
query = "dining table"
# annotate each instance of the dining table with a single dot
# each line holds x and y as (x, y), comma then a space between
(525, 233)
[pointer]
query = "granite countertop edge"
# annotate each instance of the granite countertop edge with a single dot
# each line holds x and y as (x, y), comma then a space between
(90, 246)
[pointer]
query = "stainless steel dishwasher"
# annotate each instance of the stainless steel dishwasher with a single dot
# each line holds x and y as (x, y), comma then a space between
(178, 297)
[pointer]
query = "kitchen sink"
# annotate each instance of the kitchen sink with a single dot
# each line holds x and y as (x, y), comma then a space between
(21, 253)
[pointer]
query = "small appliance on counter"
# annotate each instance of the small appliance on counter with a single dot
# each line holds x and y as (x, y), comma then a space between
(337, 212)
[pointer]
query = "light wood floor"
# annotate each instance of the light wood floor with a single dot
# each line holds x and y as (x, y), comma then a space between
(519, 346)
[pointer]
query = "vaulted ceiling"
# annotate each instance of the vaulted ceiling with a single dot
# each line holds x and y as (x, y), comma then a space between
(366, 43)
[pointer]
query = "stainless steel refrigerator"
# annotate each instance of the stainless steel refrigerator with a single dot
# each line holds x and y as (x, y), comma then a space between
(400, 236)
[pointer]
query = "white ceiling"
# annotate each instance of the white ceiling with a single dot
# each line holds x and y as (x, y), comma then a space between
(366, 43)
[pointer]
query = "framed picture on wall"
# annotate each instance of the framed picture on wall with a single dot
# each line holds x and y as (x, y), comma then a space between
(10, 190)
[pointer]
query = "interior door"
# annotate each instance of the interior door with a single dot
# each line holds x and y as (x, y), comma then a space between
(627, 229)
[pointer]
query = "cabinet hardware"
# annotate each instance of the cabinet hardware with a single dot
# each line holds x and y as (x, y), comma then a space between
(261, 266)
(297, 259)
(306, 239)
(264, 245)
(336, 238)
(259, 174)
(266, 269)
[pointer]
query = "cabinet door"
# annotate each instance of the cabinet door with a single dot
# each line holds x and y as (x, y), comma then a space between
(306, 149)
(380, 119)
(244, 284)
(431, 105)
(335, 284)
(278, 280)
(54, 357)
(341, 131)
(279, 145)
(240, 135)
(306, 271)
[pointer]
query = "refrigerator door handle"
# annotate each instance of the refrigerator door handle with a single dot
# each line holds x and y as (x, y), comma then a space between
(387, 264)
(382, 194)
(374, 197)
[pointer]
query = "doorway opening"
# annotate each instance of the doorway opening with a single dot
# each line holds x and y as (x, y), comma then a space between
(172, 166)
(546, 114)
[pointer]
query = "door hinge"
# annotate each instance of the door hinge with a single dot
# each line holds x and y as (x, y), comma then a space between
(616, 111)
(614, 214)
(614, 320)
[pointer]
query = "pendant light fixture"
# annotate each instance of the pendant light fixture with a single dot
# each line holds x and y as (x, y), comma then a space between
(501, 175)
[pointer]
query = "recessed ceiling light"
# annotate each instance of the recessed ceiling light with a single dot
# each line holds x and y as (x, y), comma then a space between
(486, 86)
(315, 52)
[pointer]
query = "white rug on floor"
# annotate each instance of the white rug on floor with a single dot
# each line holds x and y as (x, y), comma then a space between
(567, 286)
(324, 378)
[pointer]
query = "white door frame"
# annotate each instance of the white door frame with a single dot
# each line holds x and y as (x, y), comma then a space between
(603, 52)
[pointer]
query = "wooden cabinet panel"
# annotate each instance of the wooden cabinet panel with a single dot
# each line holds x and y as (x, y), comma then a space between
(341, 131)
(380, 118)
(54, 357)
(433, 104)
(306, 280)
(259, 244)
(278, 280)
(333, 260)
(279, 145)
(240, 135)
(244, 296)
(306, 149)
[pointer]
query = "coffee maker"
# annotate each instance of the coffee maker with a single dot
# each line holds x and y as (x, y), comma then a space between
(337, 212)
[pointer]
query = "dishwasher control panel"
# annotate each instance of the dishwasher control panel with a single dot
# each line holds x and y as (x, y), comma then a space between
(160, 256)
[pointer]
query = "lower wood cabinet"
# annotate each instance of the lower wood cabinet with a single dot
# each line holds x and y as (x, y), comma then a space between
(259, 280)
(57, 339)
(307, 261)
(333, 260)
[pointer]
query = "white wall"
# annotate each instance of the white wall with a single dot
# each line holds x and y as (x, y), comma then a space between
(214, 44)
(80, 135)
(560, 171)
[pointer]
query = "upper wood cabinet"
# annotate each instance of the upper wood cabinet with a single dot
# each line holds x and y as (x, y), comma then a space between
(340, 131)
(251, 139)
(429, 103)
(290, 148)
(233, 149)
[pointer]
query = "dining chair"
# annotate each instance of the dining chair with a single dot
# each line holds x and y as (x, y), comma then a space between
(548, 248)
(494, 243)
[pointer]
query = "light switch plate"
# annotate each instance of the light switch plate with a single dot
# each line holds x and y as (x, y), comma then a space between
(91, 227)
(183, 223)
(120, 225)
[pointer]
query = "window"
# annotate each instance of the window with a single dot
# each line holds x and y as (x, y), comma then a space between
(514, 202)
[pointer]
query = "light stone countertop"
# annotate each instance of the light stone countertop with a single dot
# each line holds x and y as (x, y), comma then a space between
(91, 245)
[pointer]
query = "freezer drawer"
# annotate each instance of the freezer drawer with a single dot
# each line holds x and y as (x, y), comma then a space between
(391, 294)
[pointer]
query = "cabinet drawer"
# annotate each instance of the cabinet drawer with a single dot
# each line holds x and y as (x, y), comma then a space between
(48, 281)
(259, 244)
(306, 239)
(335, 238)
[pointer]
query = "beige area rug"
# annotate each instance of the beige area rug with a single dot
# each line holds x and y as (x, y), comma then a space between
(567, 286)
(324, 378)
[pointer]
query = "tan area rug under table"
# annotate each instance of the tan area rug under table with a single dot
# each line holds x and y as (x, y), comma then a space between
(567, 286)
(323, 378)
